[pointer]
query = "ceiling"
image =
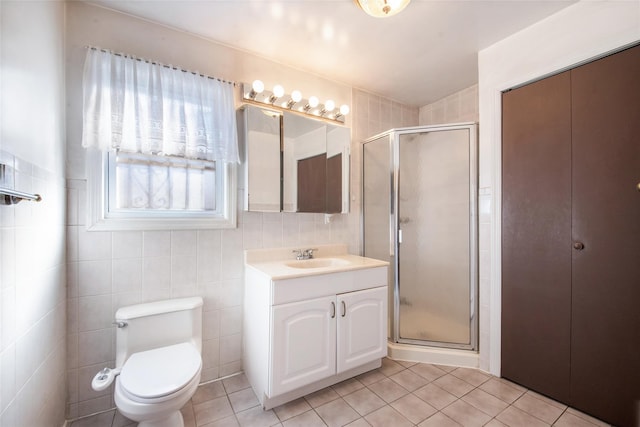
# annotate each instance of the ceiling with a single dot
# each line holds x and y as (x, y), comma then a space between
(425, 53)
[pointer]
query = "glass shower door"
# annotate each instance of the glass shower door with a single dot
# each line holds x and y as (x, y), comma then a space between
(377, 226)
(435, 216)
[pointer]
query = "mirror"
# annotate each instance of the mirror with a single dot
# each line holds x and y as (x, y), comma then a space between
(315, 165)
(260, 130)
(294, 163)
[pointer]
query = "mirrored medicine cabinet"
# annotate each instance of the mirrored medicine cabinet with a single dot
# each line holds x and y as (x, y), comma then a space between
(293, 163)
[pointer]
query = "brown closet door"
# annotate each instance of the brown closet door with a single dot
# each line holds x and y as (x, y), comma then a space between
(536, 235)
(605, 363)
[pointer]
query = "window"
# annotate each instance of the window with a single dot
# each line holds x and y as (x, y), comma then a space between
(162, 146)
(137, 192)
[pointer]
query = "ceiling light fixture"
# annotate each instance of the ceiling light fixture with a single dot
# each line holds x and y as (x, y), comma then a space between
(382, 8)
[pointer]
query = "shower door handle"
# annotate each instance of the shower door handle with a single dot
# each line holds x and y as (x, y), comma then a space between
(399, 236)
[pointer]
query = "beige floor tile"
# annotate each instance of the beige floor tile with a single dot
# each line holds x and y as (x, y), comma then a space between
(212, 410)
(121, 421)
(236, 383)
(306, 419)
(364, 401)
(291, 409)
(435, 396)
(371, 377)
(502, 390)
(439, 420)
(409, 380)
(453, 385)
(494, 423)
(101, 420)
(427, 371)
(360, 422)
(321, 397)
(243, 400)
(447, 368)
(474, 377)
(348, 386)
(225, 422)
(257, 417)
(406, 363)
(208, 391)
(540, 409)
(390, 367)
(484, 401)
(512, 384)
(588, 418)
(465, 414)
(337, 413)
(188, 416)
(388, 390)
(547, 400)
(386, 417)
(413, 408)
(514, 417)
(569, 420)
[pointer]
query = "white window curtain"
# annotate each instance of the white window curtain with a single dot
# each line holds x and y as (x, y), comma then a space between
(136, 106)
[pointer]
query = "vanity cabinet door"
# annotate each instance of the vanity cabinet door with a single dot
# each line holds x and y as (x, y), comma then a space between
(303, 344)
(362, 327)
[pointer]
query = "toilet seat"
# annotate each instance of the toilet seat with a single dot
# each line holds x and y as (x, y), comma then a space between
(156, 375)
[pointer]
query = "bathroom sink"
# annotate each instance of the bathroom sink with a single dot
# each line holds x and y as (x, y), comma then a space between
(317, 263)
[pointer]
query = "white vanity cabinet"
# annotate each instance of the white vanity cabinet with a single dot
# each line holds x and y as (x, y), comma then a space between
(306, 333)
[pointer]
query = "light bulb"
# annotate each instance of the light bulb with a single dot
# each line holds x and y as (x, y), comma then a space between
(313, 101)
(278, 91)
(296, 96)
(329, 106)
(344, 109)
(257, 86)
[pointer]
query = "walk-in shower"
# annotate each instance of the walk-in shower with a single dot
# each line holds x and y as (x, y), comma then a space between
(420, 214)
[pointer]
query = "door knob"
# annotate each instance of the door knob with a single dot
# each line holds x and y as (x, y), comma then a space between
(578, 246)
(638, 186)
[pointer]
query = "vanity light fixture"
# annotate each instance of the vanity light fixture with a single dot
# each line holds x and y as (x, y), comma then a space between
(382, 8)
(312, 103)
(344, 110)
(257, 87)
(328, 107)
(310, 106)
(278, 91)
(296, 97)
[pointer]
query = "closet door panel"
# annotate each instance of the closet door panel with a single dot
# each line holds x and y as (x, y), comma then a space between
(536, 235)
(605, 362)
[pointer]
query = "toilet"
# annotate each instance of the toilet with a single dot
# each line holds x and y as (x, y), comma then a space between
(158, 360)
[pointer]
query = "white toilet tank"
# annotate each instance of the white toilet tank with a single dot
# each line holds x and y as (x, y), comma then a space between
(158, 324)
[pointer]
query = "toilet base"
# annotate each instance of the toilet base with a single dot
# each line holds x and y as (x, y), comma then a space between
(173, 420)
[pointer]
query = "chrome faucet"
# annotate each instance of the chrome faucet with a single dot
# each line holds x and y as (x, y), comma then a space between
(304, 253)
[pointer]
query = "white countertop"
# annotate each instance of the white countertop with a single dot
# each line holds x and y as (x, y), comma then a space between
(273, 262)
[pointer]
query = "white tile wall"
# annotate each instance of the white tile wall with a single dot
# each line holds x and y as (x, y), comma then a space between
(458, 107)
(32, 298)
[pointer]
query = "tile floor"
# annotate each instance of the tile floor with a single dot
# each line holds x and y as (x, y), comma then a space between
(396, 395)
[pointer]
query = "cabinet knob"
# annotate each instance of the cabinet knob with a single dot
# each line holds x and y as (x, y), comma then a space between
(578, 246)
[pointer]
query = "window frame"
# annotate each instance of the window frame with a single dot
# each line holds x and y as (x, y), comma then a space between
(99, 218)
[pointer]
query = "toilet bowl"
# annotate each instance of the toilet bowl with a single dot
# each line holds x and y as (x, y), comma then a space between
(158, 360)
(153, 385)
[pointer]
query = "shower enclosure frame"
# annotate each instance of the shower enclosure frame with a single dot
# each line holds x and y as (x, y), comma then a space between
(393, 140)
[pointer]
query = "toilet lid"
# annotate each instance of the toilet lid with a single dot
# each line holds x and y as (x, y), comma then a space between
(161, 371)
